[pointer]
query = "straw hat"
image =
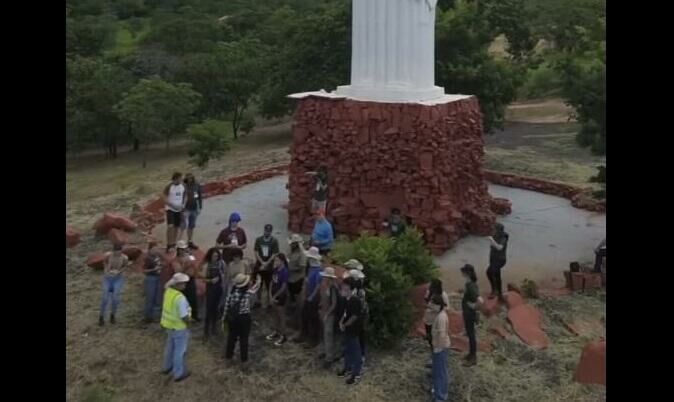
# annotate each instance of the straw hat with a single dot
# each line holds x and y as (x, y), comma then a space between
(241, 280)
(356, 274)
(295, 238)
(177, 278)
(354, 264)
(329, 272)
(182, 244)
(313, 253)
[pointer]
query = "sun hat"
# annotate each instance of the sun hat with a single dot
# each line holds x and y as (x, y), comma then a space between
(182, 244)
(178, 277)
(329, 272)
(313, 253)
(241, 280)
(356, 274)
(295, 238)
(354, 264)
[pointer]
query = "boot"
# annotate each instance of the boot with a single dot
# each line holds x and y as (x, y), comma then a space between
(112, 318)
(101, 321)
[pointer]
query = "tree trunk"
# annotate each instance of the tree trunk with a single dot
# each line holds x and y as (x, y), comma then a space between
(136, 145)
(236, 122)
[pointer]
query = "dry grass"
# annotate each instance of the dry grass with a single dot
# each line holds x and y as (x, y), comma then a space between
(121, 363)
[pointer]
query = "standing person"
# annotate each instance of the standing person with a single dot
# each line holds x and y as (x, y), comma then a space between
(266, 248)
(113, 279)
(193, 206)
(151, 268)
(435, 288)
(497, 260)
(599, 254)
(350, 324)
(469, 304)
(358, 278)
(175, 317)
(174, 197)
(441, 344)
(311, 323)
(213, 273)
(185, 263)
(319, 198)
(231, 238)
(329, 301)
(395, 224)
(322, 236)
(279, 296)
(297, 262)
(237, 316)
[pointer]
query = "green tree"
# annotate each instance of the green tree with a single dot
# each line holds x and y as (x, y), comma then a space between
(208, 140)
(88, 35)
(187, 32)
(156, 109)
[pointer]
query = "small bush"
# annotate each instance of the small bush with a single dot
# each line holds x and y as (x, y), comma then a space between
(541, 82)
(208, 140)
(529, 289)
(409, 252)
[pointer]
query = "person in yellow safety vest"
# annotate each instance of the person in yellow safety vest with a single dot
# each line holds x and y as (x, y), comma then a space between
(175, 317)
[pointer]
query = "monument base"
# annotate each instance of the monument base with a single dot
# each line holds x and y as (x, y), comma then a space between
(425, 160)
(390, 94)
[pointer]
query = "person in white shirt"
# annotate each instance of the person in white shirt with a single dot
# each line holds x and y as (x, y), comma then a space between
(174, 197)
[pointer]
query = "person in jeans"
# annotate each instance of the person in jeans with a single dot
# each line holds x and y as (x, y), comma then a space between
(322, 236)
(469, 305)
(599, 254)
(311, 323)
(237, 316)
(319, 198)
(231, 238)
(175, 317)
(329, 300)
(350, 324)
(113, 279)
(279, 296)
(174, 198)
(266, 248)
(497, 260)
(435, 288)
(193, 206)
(185, 263)
(297, 262)
(395, 224)
(151, 268)
(213, 273)
(441, 345)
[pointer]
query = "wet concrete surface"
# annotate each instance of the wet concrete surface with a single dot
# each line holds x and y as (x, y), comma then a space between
(546, 232)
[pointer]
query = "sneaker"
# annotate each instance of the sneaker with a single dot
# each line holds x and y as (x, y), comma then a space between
(281, 341)
(182, 377)
(167, 371)
(343, 373)
(112, 318)
(272, 336)
(101, 321)
(353, 380)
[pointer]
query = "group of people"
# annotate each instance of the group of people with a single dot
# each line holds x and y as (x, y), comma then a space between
(332, 314)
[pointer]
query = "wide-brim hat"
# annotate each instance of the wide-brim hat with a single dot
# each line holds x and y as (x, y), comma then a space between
(313, 253)
(354, 264)
(356, 274)
(241, 280)
(181, 245)
(295, 239)
(329, 272)
(177, 278)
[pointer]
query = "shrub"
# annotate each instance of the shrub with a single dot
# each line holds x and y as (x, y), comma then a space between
(409, 252)
(529, 289)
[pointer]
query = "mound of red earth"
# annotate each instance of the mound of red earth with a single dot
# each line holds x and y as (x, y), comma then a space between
(592, 366)
(118, 237)
(96, 261)
(72, 237)
(113, 221)
(526, 321)
(425, 160)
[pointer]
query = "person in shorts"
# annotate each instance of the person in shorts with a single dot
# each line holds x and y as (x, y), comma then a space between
(279, 296)
(174, 197)
(266, 248)
(193, 206)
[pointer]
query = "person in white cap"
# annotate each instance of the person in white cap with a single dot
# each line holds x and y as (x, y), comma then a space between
(311, 322)
(358, 278)
(329, 300)
(237, 316)
(175, 317)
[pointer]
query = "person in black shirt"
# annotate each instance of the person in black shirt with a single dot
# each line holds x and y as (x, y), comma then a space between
(266, 248)
(193, 207)
(395, 224)
(213, 273)
(497, 260)
(319, 198)
(151, 268)
(599, 254)
(350, 324)
(469, 305)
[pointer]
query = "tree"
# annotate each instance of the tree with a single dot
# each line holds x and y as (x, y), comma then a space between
(228, 78)
(156, 108)
(88, 35)
(208, 140)
(464, 65)
(181, 34)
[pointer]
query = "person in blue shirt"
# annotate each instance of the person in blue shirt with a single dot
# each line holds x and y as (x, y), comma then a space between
(323, 236)
(311, 322)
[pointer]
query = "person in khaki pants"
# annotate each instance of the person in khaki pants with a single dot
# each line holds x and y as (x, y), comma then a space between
(329, 298)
